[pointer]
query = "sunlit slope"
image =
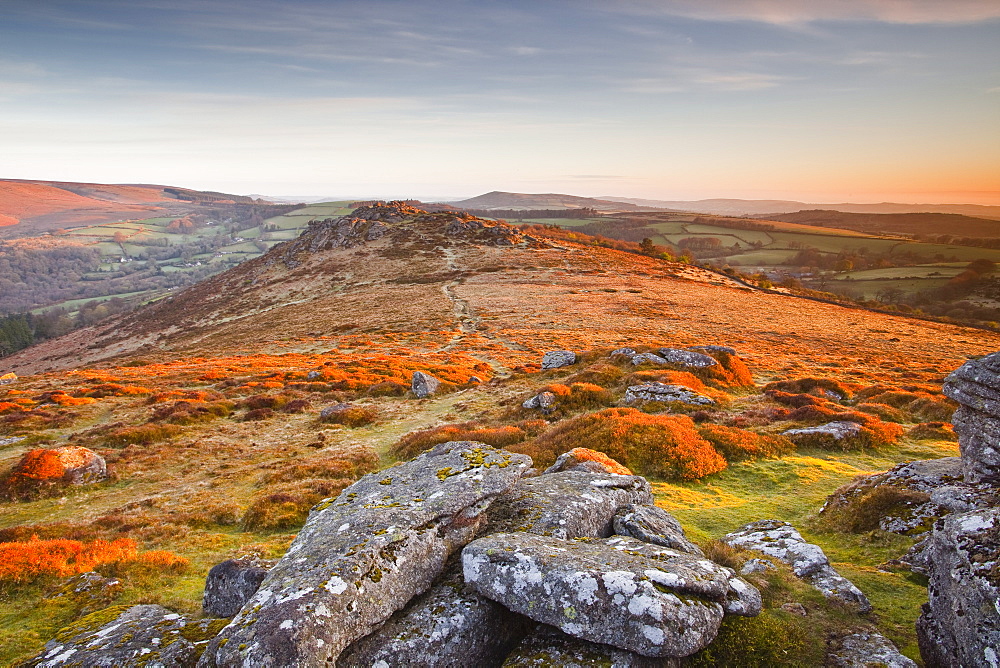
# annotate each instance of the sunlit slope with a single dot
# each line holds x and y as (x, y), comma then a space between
(507, 304)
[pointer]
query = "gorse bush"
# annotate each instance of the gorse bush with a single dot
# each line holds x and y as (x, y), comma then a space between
(665, 446)
(192, 411)
(415, 442)
(144, 434)
(938, 431)
(27, 561)
(739, 444)
(815, 386)
(349, 415)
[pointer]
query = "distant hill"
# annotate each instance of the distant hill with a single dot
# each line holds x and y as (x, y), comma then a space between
(29, 208)
(750, 207)
(505, 200)
(907, 223)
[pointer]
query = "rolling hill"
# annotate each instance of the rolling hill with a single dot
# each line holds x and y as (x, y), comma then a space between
(30, 208)
(753, 207)
(505, 200)
(935, 224)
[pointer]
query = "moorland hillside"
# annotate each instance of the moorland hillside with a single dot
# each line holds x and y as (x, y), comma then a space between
(138, 454)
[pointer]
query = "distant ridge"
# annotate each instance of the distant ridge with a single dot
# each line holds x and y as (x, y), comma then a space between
(505, 200)
(752, 207)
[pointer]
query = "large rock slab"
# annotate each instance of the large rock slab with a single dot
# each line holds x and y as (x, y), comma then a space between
(450, 625)
(231, 583)
(549, 647)
(976, 386)
(364, 555)
(666, 393)
(960, 624)
(568, 504)
(808, 561)
(558, 358)
(140, 635)
(621, 592)
(652, 524)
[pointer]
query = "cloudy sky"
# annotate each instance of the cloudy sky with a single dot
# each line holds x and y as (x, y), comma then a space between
(842, 100)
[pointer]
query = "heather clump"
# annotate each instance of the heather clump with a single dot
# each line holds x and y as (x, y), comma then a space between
(665, 446)
(740, 444)
(821, 387)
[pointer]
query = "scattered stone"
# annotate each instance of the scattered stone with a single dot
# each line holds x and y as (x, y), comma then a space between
(833, 432)
(424, 384)
(231, 583)
(808, 561)
(628, 352)
(558, 358)
(639, 358)
(585, 459)
(148, 635)
(328, 413)
(450, 625)
(960, 623)
(313, 375)
(976, 387)
(8, 378)
(687, 358)
(543, 401)
(567, 504)
(665, 393)
(795, 609)
(549, 646)
(757, 566)
(475, 380)
(364, 555)
(861, 650)
(11, 441)
(652, 524)
(650, 600)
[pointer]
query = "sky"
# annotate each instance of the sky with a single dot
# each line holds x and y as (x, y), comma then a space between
(834, 101)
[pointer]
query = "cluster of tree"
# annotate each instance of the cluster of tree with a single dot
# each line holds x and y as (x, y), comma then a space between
(20, 330)
(919, 225)
(208, 196)
(859, 259)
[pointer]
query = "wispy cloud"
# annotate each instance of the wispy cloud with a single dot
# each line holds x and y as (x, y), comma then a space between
(791, 12)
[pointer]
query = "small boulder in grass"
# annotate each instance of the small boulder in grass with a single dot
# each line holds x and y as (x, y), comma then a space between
(558, 358)
(7, 378)
(424, 384)
(585, 459)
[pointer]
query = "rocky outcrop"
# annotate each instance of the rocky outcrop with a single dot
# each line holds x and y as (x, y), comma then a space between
(687, 358)
(665, 393)
(976, 387)
(830, 433)
(808, 561)
(365, 555)
(450, 625)
(141, 635)
(908, 498)
(558, 358)
(960, 623)
(423, 384)
(231, 583)
(861, 650)
(548, 647)
(567, 504)
(652, 524)
(621, 592)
